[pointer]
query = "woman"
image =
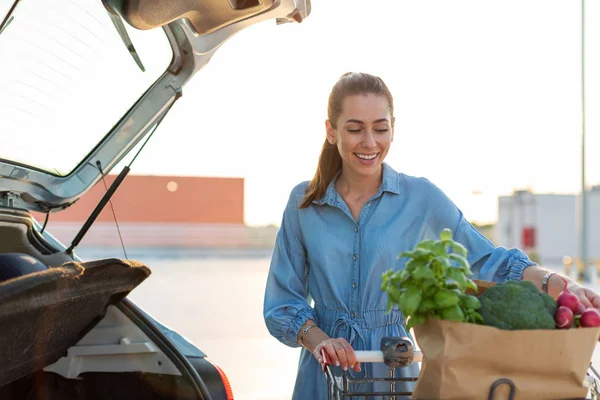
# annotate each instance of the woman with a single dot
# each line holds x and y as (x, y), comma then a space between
(344, 228)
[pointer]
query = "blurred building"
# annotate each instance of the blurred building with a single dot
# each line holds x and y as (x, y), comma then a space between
(546, 225)
(164, 211)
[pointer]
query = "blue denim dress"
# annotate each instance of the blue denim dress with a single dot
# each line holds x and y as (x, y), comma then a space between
(327, 267)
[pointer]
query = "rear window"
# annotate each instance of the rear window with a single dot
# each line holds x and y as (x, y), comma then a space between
(66, 78)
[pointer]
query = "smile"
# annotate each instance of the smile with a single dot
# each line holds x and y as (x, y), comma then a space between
(366, 156)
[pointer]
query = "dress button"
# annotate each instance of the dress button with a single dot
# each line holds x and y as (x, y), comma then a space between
(354, 285)
(353, 315)
(354, 257)
(369, 203)
(356, 229)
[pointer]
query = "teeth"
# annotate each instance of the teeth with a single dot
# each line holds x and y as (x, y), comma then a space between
(366, 156)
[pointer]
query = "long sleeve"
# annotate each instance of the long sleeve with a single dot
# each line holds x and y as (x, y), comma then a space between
(286, 306)
(488, 262)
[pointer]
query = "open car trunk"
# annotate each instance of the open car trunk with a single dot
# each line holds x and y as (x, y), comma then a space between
(98, 385)
(68, 340)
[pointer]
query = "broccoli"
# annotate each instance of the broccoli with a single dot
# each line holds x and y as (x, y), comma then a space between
(515, 305)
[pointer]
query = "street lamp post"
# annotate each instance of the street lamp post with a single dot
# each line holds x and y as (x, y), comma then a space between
(589, 270)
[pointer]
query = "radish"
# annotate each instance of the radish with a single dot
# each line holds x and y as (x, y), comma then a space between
(568, 299)
(590, 318)
(564, 317)
(580, 309)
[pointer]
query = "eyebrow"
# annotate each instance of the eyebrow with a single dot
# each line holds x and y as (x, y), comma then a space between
(356, 121)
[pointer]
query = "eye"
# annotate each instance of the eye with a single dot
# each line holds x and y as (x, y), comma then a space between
(354, 130)
(381, 130)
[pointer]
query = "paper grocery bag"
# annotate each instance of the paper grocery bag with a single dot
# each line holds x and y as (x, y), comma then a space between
(462, 361)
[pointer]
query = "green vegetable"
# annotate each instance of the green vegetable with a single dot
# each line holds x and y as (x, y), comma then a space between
(433, 283)
(515, 305)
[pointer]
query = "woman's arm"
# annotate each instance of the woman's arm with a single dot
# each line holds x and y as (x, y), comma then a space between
(488, 262)
(556, 284)
(286, 307)
(495, 263)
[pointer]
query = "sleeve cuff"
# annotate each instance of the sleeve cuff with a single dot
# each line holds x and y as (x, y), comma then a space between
(517, 263)
(301, 317)
(286, 328)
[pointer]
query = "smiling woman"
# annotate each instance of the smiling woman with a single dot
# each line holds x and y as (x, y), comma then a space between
(66, 78)
(344, 229)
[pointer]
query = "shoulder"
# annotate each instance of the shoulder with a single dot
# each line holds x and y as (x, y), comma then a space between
(417, 185)
(424, 191)
(298, 193)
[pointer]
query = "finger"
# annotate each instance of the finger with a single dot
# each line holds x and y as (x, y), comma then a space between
(331, 352)
(318, 354)
(341, 353)
(357, 367)
(350, 356)
(584, 298)
(593, 298)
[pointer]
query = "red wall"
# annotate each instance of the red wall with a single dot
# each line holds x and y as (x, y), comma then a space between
(147, 199)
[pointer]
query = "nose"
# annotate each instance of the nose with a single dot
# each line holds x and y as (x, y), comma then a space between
(368, 139)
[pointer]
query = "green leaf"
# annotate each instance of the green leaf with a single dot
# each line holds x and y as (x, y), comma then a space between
(439, 249)
(409, 302)
(426, 283)
(453, 313)
(462, 262)
(431, 290)
(476, 318)
(400, 277)
(472, 285)
(416, 254)
(446, 234)
(457, 275)
(415, 320)
(387, 274)
(459, 248)
(423, 272)
(427, 305)
(426, 245)
(419, 318)
(390, 304)
(470, 302)
(445, 298)
(395, 294)
(443, 261)
(413, 264)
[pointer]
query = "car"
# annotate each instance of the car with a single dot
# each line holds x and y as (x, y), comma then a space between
(83, 85)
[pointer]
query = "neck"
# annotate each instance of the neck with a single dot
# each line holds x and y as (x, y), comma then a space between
(349, 183)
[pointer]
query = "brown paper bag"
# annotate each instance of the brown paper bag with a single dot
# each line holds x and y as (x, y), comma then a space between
(462, 361)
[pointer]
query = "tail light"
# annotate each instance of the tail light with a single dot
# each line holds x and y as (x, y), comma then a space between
(224, 379)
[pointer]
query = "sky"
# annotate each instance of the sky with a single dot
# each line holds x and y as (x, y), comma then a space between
(487, 98)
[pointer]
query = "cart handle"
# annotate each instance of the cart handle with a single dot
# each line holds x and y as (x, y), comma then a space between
(370, 356)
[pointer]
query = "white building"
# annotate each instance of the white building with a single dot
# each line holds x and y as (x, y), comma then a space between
(547, 225)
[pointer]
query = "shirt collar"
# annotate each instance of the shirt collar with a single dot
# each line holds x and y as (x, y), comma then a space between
(390, 183)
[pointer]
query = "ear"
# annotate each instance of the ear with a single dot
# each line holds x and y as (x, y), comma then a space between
(330, 132)
(393, 127)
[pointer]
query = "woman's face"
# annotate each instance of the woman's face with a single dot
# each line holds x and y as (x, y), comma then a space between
(364, 133)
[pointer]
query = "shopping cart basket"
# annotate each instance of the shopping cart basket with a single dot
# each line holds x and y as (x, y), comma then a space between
(399, 352)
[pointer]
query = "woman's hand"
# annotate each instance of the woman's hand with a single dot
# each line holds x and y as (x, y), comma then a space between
(586, 296)
(340, 353)
(556, 284)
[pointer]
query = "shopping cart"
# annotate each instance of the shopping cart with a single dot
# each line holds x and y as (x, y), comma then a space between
(399, 352)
